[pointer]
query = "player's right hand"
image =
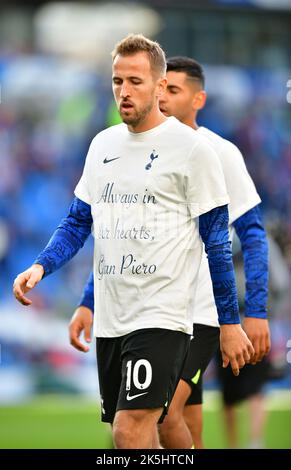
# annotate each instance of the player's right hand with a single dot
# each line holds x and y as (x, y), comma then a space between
(82, 320)
(258, 331)
(26, 281)
(235, 346)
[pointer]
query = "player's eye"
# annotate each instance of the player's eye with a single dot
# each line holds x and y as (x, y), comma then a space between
(173, 91)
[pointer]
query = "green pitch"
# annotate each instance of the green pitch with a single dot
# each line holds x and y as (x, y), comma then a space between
(54, 422)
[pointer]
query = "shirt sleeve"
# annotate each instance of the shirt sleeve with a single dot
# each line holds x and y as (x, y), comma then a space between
(240, 186)
(82, 190)
(205, 184)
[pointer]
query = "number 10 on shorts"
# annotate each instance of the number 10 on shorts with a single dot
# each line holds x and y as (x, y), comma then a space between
(133, 374)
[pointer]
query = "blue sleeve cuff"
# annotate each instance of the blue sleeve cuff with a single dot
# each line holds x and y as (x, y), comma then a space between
(262, 315)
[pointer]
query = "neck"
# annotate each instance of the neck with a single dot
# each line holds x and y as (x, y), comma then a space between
(153, 119)
(195, 125)
(191, 121)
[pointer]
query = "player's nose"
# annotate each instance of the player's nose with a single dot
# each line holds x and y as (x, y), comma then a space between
(125, 91)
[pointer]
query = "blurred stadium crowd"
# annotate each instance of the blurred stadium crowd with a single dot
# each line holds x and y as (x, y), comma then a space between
(50, 109)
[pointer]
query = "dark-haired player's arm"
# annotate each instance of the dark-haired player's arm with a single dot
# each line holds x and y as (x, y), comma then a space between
(87, 299)
(235, 347)
(82, 319)
(66, 241)
(250, 230)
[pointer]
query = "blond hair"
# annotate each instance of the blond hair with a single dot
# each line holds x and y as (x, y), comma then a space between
(134, 43)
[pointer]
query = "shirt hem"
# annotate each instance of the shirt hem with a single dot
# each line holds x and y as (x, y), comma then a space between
(206, 322)
(221, 201)
(110, 334)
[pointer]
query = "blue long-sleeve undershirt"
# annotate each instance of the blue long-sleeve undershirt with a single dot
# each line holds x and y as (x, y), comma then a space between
(250, 230)
(68, 238)
(213, 227)
(87, 299)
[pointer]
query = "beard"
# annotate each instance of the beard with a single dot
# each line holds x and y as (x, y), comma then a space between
(136, 117)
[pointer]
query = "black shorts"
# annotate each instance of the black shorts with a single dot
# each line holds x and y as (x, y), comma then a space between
(140, 370)
(249, 382)
(203, 347)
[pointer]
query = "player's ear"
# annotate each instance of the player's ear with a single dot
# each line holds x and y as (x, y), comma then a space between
(161, 86)
(199, 100)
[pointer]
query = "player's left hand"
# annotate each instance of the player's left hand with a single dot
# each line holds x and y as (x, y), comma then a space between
(81, 321)
(258, 332)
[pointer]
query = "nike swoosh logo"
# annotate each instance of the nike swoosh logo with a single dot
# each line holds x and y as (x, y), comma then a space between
(128, 397)
(108, 160)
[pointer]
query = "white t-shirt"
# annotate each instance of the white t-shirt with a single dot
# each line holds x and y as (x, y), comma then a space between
(243, 197)
(146, 191)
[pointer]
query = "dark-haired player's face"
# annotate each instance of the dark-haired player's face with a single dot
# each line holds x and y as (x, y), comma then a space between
(180, 96)
(135, 87)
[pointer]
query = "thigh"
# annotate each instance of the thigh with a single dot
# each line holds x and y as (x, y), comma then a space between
(152, 361)
(203, 346)
(108, 352)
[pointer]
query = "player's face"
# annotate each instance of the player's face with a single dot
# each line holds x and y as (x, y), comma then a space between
(183, 98)
(136, 88)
